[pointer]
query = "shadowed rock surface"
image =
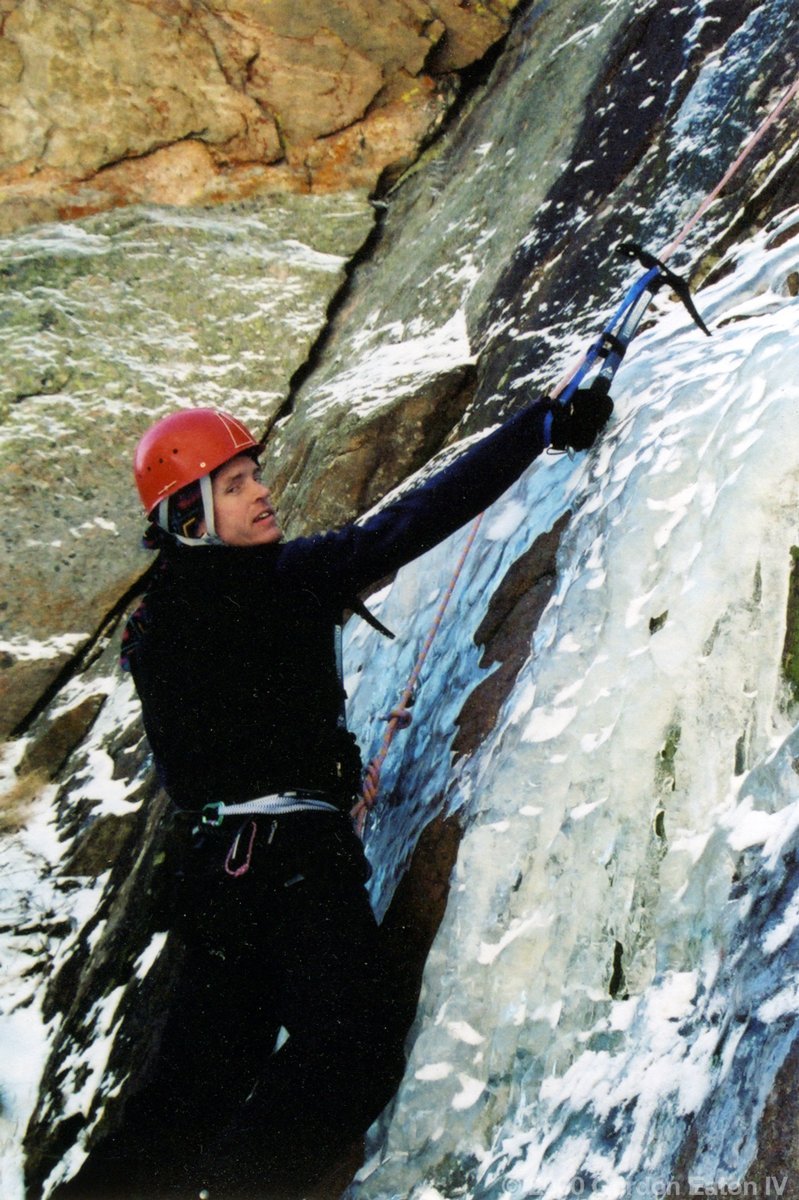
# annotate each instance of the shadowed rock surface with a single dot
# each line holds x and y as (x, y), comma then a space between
(110, 323)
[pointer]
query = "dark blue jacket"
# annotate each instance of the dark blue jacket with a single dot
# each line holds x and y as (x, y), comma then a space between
(233, 650)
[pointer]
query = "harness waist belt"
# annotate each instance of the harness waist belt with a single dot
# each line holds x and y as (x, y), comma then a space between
(277, 804)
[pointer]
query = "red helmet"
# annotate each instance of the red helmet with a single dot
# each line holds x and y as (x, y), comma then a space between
(183, 447)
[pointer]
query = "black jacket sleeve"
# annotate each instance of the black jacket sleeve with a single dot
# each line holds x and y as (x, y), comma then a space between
(362, 553)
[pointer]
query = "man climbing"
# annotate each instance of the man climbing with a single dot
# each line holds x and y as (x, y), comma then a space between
(233, 654)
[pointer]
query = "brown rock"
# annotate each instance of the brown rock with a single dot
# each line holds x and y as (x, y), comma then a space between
(506, 632)
(319, 489)
(418, 907)
(385, 143)
(775, 1170)
(101, 845)
(176, 174)
(336, 82)
(149, 72)
(392, 34)
(48, 752)
(110, 102)
(470, 30)
(22, 683)
(53, 617)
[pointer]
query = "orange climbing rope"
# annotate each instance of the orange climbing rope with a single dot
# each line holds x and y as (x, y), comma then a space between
(766, 124)
(712, 195)
(400, 716)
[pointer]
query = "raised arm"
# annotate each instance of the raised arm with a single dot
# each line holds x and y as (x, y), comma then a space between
(363, 552)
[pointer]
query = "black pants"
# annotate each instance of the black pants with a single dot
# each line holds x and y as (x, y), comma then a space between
(289, 942)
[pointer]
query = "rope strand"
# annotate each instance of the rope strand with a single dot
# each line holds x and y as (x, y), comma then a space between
(400, 716)
(764, 126)
(712, 195)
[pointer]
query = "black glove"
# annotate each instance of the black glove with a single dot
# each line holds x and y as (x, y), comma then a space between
(576, 423)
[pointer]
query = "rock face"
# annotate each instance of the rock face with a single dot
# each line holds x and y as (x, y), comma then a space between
(609, 1004)
(108, 324)
(104, 103)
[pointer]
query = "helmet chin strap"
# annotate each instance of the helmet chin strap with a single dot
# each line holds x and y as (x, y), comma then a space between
(210, 537)
(206, 491)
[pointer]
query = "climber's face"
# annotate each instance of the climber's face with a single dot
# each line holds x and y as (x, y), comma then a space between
(243, 510)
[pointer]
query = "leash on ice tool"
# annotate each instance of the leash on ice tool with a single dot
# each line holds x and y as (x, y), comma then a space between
(611, 345)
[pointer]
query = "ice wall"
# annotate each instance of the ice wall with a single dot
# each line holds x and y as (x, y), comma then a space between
(618, 953)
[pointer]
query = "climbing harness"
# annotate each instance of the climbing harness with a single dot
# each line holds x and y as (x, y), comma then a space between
(275, 805)
(286, 802)
(609, 347)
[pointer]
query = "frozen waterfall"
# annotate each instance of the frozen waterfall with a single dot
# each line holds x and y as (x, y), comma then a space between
(630, 825)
